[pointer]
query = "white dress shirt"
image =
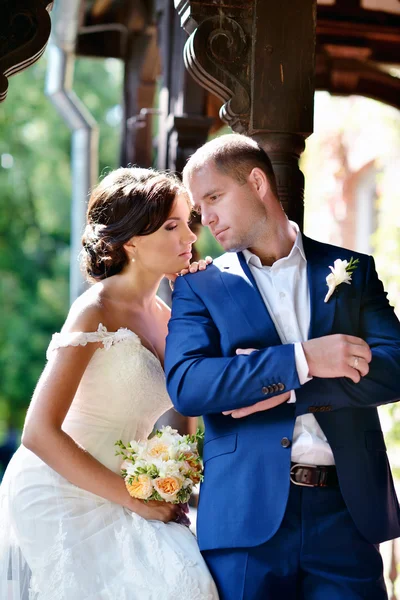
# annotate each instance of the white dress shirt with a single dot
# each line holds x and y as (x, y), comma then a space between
(284, 289)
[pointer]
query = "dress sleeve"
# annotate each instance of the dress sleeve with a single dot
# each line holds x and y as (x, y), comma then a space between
(80, 338)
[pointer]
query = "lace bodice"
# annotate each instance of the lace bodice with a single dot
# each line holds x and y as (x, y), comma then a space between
(121, 395)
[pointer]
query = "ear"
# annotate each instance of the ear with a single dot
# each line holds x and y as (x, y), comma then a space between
(258, 180)
(130, 248)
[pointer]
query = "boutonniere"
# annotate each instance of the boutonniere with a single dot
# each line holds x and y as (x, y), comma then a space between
(341, 273)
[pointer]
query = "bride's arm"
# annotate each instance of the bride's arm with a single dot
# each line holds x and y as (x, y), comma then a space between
(44, 436)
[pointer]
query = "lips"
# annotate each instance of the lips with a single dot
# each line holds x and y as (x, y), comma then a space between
(217, 233)
(188, 254)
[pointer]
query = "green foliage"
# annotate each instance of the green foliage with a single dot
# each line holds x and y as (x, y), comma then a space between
(206, 245)
(35, 182)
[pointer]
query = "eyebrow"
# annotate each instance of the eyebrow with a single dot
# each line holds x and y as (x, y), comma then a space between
(210, 193)
(173, 219)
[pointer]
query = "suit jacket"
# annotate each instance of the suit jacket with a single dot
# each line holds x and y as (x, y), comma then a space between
(247, 461)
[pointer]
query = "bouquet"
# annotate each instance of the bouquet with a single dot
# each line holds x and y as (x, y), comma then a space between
(164, 467)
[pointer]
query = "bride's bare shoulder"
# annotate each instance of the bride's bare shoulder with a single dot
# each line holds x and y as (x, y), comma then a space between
(87, 311)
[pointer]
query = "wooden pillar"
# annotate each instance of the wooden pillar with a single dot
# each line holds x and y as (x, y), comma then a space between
(183, 126)
(258, 57)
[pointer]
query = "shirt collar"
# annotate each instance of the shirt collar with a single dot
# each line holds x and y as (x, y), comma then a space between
(297, 248)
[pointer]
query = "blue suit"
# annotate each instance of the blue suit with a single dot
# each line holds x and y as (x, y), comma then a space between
(247, 461)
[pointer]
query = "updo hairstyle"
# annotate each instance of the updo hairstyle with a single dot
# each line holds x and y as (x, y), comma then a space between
(128, 202)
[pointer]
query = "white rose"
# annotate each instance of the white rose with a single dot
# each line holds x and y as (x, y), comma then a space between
(185, 448)
(169, 468)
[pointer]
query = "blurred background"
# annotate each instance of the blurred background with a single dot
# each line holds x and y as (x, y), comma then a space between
(351, 166)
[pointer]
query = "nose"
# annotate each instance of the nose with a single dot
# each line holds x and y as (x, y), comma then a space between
(206, 217)
(191, 237)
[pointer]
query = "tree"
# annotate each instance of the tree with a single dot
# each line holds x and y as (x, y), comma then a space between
(35, 218)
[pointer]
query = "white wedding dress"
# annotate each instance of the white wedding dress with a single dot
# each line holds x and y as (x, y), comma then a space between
(59, 542)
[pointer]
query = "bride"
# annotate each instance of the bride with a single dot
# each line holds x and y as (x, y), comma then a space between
(68, 528)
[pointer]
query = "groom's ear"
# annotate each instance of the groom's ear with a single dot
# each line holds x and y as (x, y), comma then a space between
(258, 180)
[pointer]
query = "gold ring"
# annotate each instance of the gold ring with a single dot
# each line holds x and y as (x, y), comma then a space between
(356, 359)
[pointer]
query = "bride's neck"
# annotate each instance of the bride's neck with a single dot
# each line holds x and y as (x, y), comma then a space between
(136, 285)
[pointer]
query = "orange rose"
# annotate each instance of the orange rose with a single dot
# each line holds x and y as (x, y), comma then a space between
(194, 465)
(141, 487)
(168, 487)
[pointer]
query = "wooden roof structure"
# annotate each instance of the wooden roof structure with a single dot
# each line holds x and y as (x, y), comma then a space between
(259, 59)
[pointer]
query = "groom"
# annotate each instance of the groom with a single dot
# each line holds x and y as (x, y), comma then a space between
(298, 491)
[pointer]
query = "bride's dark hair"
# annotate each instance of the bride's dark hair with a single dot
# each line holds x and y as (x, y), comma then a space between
(128, 202)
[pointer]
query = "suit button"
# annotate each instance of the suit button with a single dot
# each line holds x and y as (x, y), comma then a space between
(285, 442)
(265, 390)
(281, 387)
(274, 387)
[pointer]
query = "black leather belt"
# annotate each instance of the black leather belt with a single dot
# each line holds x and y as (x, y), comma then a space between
(313, 475)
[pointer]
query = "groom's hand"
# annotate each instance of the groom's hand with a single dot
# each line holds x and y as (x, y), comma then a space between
(338, 355)
(197, 265)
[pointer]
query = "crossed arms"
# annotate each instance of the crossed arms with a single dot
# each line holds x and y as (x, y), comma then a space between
(200, 381)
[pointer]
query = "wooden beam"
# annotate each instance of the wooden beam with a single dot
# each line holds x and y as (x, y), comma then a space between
(24, 32)
(382, 40)
(344, 75)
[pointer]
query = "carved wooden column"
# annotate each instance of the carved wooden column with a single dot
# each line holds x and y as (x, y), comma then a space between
(258, 57)
(24, 31)
(183, 124)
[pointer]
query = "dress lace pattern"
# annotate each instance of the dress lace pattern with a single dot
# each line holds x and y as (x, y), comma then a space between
(59, 542)
(80, 338)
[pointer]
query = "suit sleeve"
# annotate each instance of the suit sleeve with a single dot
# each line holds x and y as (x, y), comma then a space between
(200, 380)
(380, 328)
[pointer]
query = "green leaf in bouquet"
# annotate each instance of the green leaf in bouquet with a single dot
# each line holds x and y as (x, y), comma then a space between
(155, 496)
(120, 444)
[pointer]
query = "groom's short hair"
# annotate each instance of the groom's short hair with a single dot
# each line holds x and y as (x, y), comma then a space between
(233, 154)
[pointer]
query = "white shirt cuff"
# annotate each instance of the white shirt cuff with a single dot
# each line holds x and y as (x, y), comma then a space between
(301, 363)
(302, 369)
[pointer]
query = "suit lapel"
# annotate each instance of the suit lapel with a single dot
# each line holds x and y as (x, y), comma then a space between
(322, 313)
(245, 293)
(241, 285)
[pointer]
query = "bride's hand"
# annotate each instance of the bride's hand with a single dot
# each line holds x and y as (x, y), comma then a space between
(239, 413)
(152, 510)
(195, 266)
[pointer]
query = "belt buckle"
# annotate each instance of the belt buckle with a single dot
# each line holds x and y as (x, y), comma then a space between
(301, 465)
